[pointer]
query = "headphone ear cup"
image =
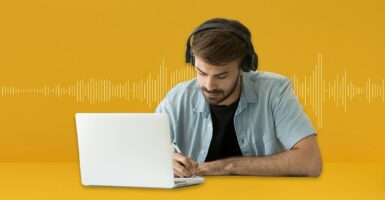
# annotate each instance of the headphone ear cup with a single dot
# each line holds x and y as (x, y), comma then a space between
(255, 62)
(192, 60)
(245, 64)
(188, 58)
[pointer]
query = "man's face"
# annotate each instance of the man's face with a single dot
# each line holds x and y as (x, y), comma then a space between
(218, 83)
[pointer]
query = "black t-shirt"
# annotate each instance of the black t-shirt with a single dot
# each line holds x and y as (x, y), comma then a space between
(224, 142)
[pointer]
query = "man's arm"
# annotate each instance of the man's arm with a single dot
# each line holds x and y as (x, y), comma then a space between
(303, 159)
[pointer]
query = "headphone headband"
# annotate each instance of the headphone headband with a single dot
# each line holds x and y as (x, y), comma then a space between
(251, 60)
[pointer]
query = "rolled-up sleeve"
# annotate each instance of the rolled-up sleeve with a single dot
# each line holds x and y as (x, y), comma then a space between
(291, 122)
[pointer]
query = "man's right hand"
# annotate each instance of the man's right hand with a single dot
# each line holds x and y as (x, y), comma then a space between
(183, 166)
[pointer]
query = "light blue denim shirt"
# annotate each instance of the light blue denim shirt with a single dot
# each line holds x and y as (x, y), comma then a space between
(269, 118)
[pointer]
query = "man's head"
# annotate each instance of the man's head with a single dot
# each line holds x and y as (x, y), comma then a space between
(218, 56)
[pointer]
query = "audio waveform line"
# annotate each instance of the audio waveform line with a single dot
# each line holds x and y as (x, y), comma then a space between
(315, 90)
(312, 91)
(149, 90)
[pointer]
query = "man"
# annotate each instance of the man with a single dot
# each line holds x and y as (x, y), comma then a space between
(232, 120)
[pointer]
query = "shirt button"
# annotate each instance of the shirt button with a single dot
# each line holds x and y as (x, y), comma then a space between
(202, 152)
(209, 125)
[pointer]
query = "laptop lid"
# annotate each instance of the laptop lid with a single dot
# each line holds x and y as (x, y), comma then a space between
(125, 149)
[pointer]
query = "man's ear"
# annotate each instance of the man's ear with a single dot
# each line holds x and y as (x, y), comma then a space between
(241, 72)
(240, 68)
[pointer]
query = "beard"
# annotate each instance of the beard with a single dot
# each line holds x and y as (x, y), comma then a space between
(217, 96)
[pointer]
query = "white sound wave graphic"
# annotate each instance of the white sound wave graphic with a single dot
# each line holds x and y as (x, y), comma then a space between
(149, 90)
(315, 90)
(312, 91)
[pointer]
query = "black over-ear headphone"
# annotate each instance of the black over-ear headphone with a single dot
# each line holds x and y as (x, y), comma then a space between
(250, 62)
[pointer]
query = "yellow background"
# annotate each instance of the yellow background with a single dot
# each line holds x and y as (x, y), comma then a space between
(61, 42)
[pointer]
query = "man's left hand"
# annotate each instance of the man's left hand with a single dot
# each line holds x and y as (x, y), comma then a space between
(218, 167)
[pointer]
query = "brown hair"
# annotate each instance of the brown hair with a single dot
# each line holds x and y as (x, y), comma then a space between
(218, 46)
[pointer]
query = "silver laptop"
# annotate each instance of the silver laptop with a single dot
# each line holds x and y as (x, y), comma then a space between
(127, 149)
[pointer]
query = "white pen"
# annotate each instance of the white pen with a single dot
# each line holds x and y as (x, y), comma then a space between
(176, 147)
(179, 151)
